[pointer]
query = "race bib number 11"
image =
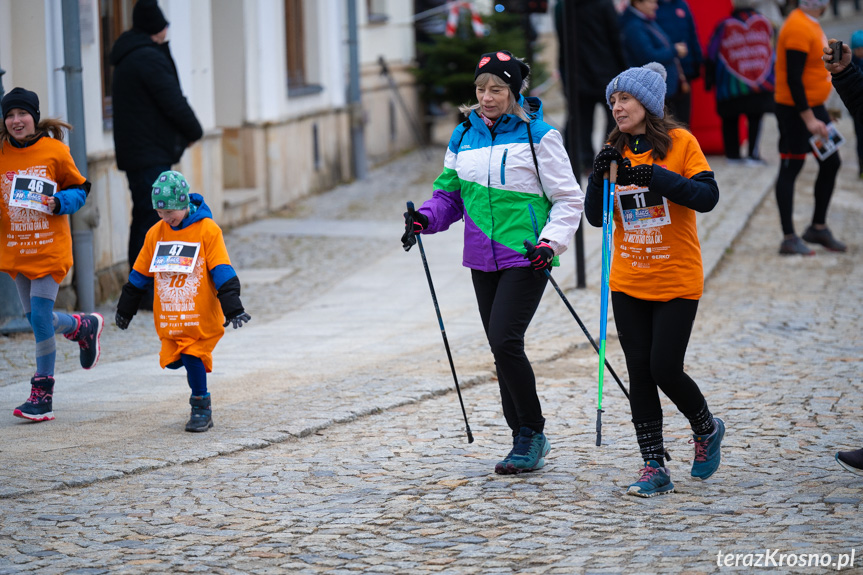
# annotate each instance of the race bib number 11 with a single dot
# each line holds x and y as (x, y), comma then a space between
(31, 192)
(175, 257)
(640, 208)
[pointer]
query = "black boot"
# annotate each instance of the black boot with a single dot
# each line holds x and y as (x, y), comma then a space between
(202, 416)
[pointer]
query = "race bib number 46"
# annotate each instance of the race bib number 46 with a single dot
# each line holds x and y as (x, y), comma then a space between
(175, 257)
(640, 208)
(31, 192)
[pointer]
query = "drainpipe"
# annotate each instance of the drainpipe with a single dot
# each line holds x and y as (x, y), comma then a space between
(355, 107)
(87, 217)
(12, 318)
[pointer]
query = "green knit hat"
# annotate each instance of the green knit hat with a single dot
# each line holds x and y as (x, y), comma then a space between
(170, 191)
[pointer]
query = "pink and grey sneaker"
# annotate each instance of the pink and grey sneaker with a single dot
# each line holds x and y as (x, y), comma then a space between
(654, 480)
(87, 335)
(39, 407)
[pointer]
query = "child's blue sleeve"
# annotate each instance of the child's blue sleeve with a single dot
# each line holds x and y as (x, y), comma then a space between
(70, 200)
(139, 280)
(222, 273)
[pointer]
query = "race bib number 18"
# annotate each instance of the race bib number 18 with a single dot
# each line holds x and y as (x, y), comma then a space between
(640, 208)
(175, 257)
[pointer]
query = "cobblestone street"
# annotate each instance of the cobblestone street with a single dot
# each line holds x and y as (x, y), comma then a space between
(334, 459)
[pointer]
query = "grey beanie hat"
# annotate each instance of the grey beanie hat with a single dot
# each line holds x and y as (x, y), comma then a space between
(646, 84)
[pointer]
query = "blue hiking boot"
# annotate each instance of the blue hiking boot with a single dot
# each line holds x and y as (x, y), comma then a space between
(527, 454)
(500, 468)
(39, 407)
(201, 418)
(707, 451)
(87, 335)
(655, 480)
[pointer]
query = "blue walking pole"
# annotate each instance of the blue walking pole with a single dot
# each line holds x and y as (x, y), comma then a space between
(608, 184)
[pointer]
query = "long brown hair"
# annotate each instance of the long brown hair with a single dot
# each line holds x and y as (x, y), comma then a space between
(53, 127)
(657, 131)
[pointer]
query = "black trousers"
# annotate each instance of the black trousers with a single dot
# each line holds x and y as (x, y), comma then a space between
(143, 215)
(507, 301)
(654, 336)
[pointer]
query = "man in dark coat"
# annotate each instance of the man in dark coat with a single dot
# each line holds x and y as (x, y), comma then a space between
(599, 54)
(153, 122)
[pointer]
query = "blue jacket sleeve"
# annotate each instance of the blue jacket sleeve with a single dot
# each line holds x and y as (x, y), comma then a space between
(70, 200)
(222, 273)
(139, 280)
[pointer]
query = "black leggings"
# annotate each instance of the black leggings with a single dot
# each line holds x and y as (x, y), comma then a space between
(824, 183)
(507, 300)
(654, 336)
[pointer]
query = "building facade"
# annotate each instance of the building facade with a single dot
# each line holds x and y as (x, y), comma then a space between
(268, 80)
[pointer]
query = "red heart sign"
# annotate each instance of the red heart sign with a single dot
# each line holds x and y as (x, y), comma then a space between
(484, 61)
(10, 176)
(746, 49)
(502, 57)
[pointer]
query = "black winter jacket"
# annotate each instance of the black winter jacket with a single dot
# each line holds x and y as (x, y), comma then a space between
(849, 86)
(599, 49)
(153, 122)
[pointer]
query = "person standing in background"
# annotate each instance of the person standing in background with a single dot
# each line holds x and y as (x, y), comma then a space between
(739, 64)
(644, 42)
(675, 19)
(802, 88)
(153, 122)
(848, 81)
(598, 61)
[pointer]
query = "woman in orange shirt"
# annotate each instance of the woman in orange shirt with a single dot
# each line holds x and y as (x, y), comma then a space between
(656, 275)
(40, 185)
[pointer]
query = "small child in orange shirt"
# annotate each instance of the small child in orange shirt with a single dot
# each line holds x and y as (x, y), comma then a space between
(185, 259)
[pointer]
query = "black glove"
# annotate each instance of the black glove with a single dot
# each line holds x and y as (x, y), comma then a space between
(540, 255)
(121, 320)
(638, 175)
(232, 307)
(127, 307)
(414, 223)
(602, 161)
(238, 320)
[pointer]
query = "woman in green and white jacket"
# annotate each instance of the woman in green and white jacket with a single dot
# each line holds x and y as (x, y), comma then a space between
(507, 174)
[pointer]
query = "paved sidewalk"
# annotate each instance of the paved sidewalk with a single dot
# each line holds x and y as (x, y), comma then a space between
(339, 445)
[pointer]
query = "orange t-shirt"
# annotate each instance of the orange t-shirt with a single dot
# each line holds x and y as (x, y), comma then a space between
(802, 33)
(186, 309)
(660, 261)
(34, 243)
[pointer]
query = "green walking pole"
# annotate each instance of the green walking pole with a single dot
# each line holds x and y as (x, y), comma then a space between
(608, 184)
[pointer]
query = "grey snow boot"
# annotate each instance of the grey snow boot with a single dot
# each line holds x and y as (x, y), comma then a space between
(201, 418)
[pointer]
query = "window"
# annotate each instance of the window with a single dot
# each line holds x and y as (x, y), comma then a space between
(295, 38)
(115, 16)
(377, 11)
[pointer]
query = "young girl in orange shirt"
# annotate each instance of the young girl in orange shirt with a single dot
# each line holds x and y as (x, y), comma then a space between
(40, 186)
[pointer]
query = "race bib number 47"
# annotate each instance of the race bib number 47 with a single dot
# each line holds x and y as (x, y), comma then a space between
(31, 192)
(175, 257)
(640, 208)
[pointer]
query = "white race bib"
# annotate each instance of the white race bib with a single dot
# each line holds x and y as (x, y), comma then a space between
(176, 257)
(31, 192)
(640, 208)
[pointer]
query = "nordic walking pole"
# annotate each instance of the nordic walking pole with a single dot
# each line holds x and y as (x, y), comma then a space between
(607, 223)
(528, 246)
(440, 321)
